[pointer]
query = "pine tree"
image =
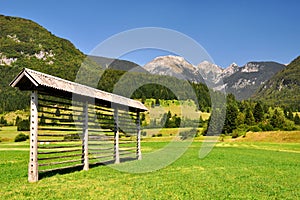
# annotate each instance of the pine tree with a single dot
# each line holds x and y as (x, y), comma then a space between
(230, 120)
(249, 118)
(277, 120)
(297, 119)
(258, 112)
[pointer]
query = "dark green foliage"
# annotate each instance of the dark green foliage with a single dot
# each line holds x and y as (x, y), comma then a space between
(3, 121)
(297, 119)
(255, 129)
(258, 112)
(21, 137)
(169, 121)
(249, 118)
(42, 120)
(231, 116)
(277, 120)
(265, 126)
(18, 119)
(23, 125)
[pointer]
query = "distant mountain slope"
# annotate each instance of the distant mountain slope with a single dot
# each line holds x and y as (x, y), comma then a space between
(240, 81)
(174, 66)
(247, 79)
(283, 88)
(116, 64)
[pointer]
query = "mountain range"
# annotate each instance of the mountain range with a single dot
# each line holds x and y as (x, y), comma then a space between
(240, 81)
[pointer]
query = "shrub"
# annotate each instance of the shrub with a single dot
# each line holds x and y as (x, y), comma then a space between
(144, 133)
(23, 125)
(289, 125)
(72, 137)
(188, 134)
(238, 132)
(21, 137)
(235, 134)
(255, 129)
(266, 127)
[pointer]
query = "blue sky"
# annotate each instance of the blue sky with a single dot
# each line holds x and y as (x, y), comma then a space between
(230, 30)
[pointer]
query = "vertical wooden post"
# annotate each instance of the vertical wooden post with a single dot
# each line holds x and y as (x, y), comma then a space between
(138, 138)
(85, 138)
(33, 174)
(116, 137)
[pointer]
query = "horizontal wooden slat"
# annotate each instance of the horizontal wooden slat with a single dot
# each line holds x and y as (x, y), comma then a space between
(58, 129)
(56, 157)
(101, 149)
(61, 162)
(58, 147)
(60, 168)
(55, 152)
(60, 108)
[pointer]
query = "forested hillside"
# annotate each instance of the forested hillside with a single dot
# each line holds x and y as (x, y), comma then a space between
(24, 43)
(283, 89)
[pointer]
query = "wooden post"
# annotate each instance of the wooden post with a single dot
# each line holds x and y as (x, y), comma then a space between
(138, 138)
(33, 174)
(116, 137)
(85, 138)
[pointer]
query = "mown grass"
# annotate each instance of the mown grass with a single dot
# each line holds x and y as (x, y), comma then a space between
(231, 171)
(8, 133)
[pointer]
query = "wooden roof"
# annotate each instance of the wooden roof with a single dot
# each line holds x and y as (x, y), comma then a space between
(29, 79)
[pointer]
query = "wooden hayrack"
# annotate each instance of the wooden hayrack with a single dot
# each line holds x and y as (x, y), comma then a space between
(76, 125)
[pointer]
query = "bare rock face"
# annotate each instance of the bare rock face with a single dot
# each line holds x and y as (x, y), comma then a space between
(240, 81)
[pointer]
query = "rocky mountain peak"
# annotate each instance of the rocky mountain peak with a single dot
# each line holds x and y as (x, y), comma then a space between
(231, 69)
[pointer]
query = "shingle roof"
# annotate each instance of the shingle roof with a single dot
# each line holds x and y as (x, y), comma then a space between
(41, 81)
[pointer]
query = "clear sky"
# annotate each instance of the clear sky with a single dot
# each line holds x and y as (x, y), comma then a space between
(230, 30)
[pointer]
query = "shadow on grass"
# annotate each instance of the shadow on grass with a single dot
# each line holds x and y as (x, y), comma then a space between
(71, 169)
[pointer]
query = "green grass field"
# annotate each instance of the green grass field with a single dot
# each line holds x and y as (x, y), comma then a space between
(232, 170)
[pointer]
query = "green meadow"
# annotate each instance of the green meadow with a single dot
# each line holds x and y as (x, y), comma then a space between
(239, 169)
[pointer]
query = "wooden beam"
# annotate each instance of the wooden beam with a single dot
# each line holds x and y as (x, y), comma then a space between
(116, 137)
(33, 160)
(85, 138)
(138, 138)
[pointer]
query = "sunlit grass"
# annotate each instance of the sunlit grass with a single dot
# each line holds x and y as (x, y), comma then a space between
(228, 172)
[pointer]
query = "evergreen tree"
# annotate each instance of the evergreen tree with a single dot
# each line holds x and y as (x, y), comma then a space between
(297, 119)
(230, 119)
(18, 119)
(249, 118)
(290, 115)
(240, 119)
(258, 112)
(277, 120)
